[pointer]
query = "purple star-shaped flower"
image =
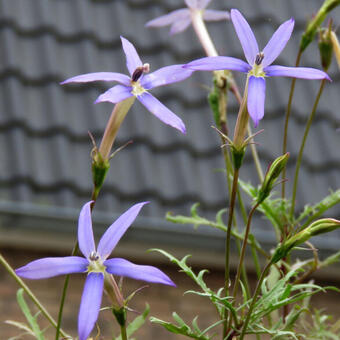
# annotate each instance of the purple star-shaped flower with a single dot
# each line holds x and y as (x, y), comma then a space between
(95, 263)
(259, 63)
(138, 84)
(180, 19)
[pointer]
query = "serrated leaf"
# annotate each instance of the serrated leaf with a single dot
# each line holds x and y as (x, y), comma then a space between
(316, 210)
(32, 320)
(21, 326)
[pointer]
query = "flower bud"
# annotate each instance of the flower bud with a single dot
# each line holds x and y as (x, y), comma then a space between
(316, 22)
(324, 225)
(325, 48)
(273, 172)
(100, 167)
(336, 47)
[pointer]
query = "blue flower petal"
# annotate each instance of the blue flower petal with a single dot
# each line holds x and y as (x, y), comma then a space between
(170, 18)
(161, 111)
(122, 267)
(164, 76)
(277, 42)
(180, 25)
(52, 266)
(132, 58)
(115, 94)
(256, 98)
(214, 15)
(295, 72)
(245, 35)
(99, 76)
(85, 232)
(90, 304)
(219, 63)
(114, 233)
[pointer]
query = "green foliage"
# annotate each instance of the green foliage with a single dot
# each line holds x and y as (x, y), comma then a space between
(181, 327)
(32, 328)
(136, 323)
(316, 210)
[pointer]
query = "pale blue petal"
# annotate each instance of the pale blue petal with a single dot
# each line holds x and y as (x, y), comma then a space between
(218, 63)
(115, 94)
(214, 15)
(295, 72)
(85, 232)
(121, 267)
(132, 58)
(256, 98)
(161, 111)
(53, 266)
(202, 3)
(90, 304)
(99, 76)
(191, 3)
(169, 19)
(245, 35)
(164, 76)
(180, 25)
(114, 233)
(277, 42)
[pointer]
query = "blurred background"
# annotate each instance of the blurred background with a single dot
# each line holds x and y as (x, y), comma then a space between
(45, 164)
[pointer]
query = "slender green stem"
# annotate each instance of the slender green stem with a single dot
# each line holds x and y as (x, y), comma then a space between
(227, 244)
(255, 157)
(123, 332)
(288, 112)
(299, 159)
(243, 250)
(256, 293)
(31, 295)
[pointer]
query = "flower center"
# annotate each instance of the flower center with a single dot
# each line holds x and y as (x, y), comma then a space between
(138, 72)
(137, 88)
(257, 70)
(95, 263)
(259, 58)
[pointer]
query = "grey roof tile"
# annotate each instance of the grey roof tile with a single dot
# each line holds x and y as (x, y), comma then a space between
(44, 126)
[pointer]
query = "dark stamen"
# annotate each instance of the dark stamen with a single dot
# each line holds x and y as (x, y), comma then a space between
(139, 71)
(94, 256)
(259, 58)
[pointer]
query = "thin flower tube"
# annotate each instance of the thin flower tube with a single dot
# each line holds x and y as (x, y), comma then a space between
(138, 84)
(180, 19)
(95, 263)
(259, 63)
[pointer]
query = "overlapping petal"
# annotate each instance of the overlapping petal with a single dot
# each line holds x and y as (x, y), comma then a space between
(114, 233)
(191, 3)
(219, 63)
(85, 232)
(180, 26)
(161, 111)
(90, 304)
(256, 98)
(164, 76)
(122, 267)
(215, 15)
(170, 18)
(99, 76)
(115, 94)
(277, 42)
(132, 58)
(53, 266)
(295, 72)
(245, 35)
(202, 3)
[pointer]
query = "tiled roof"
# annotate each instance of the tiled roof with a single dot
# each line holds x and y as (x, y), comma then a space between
(44, 158)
